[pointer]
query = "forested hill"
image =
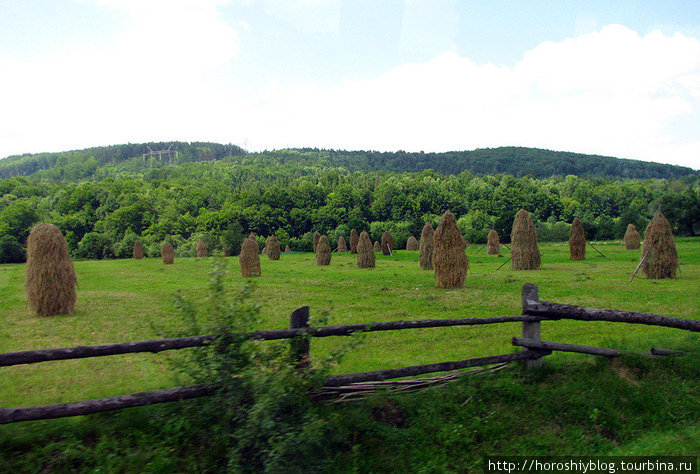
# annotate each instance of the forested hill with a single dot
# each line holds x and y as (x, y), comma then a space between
(516, 161)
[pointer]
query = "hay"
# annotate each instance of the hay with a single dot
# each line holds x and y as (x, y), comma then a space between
(525, 253)
(202, 249)
(493, 243)
(287, 248)
(411, 243)
(317, 237)
(662, 258)
(449, 259)
(365, 251)
(342, 245)
(577, 241)
(273, 248)
(426, 247)
(138, 250)
(249, 258)
(377, 246)
(632, 238)
(50, 278)
(323, 251)
(387, 243)
(354, 239)
(167, 253)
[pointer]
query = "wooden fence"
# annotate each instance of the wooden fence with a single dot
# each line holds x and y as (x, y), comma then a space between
(534, 349)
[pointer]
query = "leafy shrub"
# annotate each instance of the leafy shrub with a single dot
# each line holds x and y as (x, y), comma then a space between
(11, 251)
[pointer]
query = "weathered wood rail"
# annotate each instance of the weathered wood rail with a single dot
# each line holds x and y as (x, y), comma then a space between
(534, 312)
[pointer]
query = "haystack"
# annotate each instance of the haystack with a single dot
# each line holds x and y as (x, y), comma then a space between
(577, 241)
(377, 246)
(138, 250)
(167, 252)
(287, 248)
(273, 248)
(411, 243)
(387, 243)
(342, 245)
(449, 259)
(49, 274)
(660, 249)
(426, 247)
(365, 251)
(323, 251)
(632, 238)
(354, 239)
(249, 258)
(525, 253)
(201, 249)
(317, 236)
(493, 243)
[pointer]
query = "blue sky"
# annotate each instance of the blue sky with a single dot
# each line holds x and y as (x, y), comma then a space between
(614, 78)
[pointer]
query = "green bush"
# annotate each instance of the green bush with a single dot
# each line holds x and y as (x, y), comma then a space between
(11, 251)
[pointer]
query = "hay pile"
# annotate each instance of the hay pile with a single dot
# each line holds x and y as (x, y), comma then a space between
(202, 249)
(377, 246)
(49, 274)
(387, 243)
(273, 248)
(317, 236)
(525, 253)
(138, 250)
(577, 241)
(632, 238)
(493, 243)
(323, 251)
(660, 249)
(365, 252)
(354, 239)
(426, 247)
(249, 258)
(342, 246)
(287, 248)
(167, 253)
(449, 259)
(411, 243)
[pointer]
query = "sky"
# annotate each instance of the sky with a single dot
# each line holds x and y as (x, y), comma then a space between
(611, 78)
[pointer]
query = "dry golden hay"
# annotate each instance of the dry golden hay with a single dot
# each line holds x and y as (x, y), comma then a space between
(365, 251)
(138, 250)
(525, 253)
(287, 248)
(317, 236)
(201, 249)
(449, 259)
(662, 257)
(577, 241)
(273, 248)
(354, 239)
(426, 247)
(632, 238)
(249, 258)
(323, 251)
(167, 253)
(387, 243)
(342, 246)
(493, 243)
(377, 246)
(411, 243)
(50, 278)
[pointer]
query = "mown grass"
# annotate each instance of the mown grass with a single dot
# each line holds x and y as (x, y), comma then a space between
(123, 300)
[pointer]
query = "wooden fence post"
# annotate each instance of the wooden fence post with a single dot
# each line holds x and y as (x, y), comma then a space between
(300, 345)
(531, 329)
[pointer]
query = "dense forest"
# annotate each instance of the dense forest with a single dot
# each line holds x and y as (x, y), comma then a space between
(103, 202)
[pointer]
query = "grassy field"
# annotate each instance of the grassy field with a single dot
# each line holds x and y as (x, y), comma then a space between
(123, 300)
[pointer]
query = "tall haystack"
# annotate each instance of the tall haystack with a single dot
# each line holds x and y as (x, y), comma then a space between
(660, 249)
(449, 259)
(249, 258)
(287, 248)
(317, 236)
(354, 239)
(323, 251)
(525, 253)
(411, 243)
(167, 252)
(493, 243)
(138, 250)
(202, 249)
(365, 251)
(342, 245)
(426, 247)
(387, 243)
(273, 248)
(577, 241)
(49, 274)
(632, 238)
(377, 246)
